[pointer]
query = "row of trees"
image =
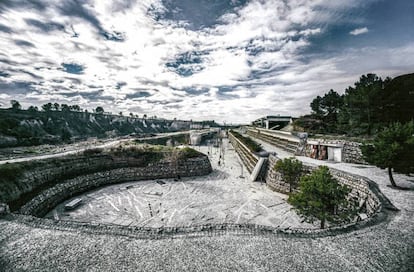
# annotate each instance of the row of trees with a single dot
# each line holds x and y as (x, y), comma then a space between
(15, 105)
(49, 107)
(364, 108)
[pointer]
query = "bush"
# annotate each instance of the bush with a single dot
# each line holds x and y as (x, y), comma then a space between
(188, 152)
(92, 151)
(290, 169)
(251, 144)
(10, 172)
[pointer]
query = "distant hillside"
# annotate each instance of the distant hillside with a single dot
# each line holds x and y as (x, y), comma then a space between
(24, 127)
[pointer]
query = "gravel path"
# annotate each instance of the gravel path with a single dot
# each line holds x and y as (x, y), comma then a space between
(387, 246)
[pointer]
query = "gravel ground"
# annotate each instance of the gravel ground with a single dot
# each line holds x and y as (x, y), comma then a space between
(221, 197)
(387, 246)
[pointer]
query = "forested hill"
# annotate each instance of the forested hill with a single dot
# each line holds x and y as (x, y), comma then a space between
(364, 109)
(27, 127)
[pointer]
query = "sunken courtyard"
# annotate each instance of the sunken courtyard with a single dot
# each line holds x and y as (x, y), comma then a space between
(212, 206)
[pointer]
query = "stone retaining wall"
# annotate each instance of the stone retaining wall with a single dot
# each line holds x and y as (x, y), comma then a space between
(248, 158)
(41, 175)
(284, 141)
(360, 186)
(49, 198)
(351, 151)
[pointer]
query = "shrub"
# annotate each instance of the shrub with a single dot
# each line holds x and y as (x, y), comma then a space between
(10, 171)
(92, 151)
(188, 152)
(251, 144)
(290, 169)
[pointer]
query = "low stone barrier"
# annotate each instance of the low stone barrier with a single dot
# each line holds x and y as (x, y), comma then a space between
(282, 140)
(248, 158)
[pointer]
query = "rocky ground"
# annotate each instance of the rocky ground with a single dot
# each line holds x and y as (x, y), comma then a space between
(386, 246)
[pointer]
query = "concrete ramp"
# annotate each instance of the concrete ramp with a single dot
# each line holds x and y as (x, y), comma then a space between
(257, 169)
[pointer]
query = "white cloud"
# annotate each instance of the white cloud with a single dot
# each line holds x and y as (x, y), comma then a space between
(250, 64)
(359, 31)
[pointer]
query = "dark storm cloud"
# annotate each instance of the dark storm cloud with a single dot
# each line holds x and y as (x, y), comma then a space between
(22, 4)
(24, 43)
(90, 95)
(196, 14)
(119, 85)
(139, 94)
(75, 8)
(45, 27)
(5, 29)
(123, 5)
(73, 68)
(16, 87)
(196, 91)
(188, 63)
(4, 74)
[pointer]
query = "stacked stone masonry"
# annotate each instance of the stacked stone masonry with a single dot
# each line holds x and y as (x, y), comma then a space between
(43, 187)
(285, 142)
(351, 151)
(360, 186)
(248, 158)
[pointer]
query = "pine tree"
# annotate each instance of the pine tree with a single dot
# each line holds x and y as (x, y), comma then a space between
(392, 148)
(321, 197)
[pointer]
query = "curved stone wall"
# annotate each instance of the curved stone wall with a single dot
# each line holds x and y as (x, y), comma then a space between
(49, 198)
(47, 182)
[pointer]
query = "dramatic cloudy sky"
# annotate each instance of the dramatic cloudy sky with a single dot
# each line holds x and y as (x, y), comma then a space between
(227, 60)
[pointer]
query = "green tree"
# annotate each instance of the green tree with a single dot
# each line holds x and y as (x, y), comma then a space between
(15, 105)
(99, 110)
(322, 197)
(56, 106)
(33, 109)
(392, 148)
(65, 135)
(362, 105)
(65, 107)
(47, 107)
(290, 169)
(316, 107)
